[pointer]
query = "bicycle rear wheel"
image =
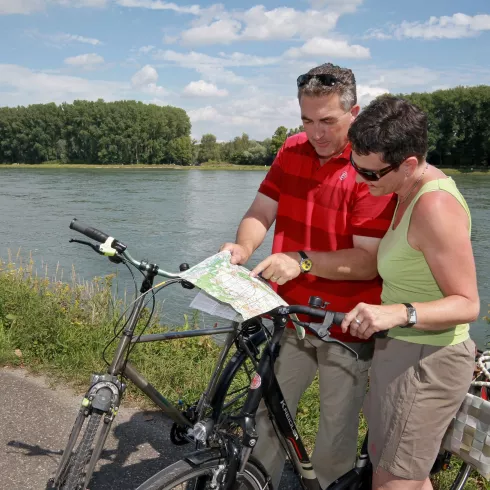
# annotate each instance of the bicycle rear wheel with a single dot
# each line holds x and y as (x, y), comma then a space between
(462, 477)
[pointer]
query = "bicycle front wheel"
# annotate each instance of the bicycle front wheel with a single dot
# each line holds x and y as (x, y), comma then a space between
(209, 475)
(80, 470)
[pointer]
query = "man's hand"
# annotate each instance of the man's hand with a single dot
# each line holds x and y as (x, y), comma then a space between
(239, 254)
(279, 268)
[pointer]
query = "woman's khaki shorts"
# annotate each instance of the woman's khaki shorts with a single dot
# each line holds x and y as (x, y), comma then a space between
(415, 391)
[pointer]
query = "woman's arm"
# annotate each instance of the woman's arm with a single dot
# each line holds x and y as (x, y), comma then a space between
(439, 228)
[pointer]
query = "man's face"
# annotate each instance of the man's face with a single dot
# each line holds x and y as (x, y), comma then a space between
(326, 123)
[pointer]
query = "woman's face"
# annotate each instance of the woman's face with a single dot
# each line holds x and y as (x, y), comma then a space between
(389, 179)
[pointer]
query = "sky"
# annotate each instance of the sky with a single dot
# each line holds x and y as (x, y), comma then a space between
(233, 65)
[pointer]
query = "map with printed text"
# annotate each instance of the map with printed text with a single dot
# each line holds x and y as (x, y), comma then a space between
(232, 284)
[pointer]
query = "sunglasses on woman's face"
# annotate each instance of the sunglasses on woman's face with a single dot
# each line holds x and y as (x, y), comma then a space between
(371, 175)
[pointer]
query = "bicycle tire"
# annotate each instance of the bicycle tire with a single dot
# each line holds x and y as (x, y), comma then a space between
(76, 475)
(462, 477)
(181, 472)
(229, 376)
(67, 457)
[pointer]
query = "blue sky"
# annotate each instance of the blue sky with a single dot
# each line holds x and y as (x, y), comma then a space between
(232, 66)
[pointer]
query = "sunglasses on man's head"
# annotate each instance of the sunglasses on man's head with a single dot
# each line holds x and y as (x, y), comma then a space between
(371, 175)
(326, 80)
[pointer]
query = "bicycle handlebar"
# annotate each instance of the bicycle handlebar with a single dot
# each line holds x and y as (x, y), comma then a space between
(88, 231)
(101, 237)
(329, 317)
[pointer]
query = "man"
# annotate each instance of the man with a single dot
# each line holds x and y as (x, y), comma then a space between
(326, 238)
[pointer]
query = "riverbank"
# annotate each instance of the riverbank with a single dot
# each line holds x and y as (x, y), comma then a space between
(210, 166)
(60, 329)
(138, 167)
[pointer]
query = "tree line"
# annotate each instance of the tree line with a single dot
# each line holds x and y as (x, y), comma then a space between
(130, 132)
(95, 132)
(459, 131)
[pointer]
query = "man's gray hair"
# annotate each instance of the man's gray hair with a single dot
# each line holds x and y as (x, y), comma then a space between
(345, 86)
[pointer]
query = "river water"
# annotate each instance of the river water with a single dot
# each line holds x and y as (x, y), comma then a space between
(164, 216)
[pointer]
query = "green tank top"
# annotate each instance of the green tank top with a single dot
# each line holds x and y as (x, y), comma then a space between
(407, 277)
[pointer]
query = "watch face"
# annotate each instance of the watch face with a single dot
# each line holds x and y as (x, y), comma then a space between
(306, 265)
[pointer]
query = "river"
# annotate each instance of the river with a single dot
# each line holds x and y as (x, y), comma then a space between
(165, 216)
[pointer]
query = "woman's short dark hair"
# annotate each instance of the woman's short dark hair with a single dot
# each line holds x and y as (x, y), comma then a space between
(392, 127)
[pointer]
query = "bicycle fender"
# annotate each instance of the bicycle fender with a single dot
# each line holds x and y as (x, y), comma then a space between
(204, 456)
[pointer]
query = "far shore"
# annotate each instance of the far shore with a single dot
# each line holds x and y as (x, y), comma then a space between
(224, 166)
(135, 166)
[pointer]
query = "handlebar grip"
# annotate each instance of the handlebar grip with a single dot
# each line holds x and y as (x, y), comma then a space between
(380, 335)
(88, 231)
(338, 318)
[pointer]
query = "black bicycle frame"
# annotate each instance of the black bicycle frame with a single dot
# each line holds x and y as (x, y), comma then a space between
(266, 386)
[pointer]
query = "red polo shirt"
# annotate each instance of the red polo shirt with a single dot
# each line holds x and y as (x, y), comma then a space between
(321, 208)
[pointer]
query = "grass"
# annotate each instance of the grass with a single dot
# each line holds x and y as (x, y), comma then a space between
(60, 329)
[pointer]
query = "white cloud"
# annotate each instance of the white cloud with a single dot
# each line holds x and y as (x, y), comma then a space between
(145, 80)
(146, 49)
(366, 94)
(339, 6)
(207, 113)
(218, 74)
(160, 5)
(21, 6)
(87, 61)
(218, 26)
(219, 32)
(331, 48)
(30, 6)
(213, 68)
(22, 86)
(203, 89)
(285, 23)
(446, 27)
(401, 78)
(63, 39)
(194, 59)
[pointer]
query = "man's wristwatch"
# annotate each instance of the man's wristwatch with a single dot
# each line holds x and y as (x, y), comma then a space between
(411, 315)
(305, 264)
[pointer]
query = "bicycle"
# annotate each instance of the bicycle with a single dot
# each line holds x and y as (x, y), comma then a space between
(228, 462)
(104, 395)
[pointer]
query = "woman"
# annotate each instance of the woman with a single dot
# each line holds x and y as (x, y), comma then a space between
(422, 370)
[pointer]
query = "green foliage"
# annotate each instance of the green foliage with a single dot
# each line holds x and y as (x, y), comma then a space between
(208, 149)
(459, 133)
(278, 139)
(180, 151)
(94, 132)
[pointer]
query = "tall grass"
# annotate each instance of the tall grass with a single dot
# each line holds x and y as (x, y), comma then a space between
(61, 328)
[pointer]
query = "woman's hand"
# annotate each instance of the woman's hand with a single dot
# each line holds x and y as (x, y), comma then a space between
(365, 320)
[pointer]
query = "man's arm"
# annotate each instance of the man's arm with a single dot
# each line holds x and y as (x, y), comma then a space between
(353, 264)
(252, 229)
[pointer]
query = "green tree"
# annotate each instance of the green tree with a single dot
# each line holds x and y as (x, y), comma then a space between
(180, 151)
(278, 139)
(208, 149)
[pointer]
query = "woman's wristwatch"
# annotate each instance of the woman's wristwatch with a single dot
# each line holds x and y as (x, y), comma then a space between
(411, 315)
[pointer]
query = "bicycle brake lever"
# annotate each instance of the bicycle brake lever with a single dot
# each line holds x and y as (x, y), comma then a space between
(323, 332)
(83, 242)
